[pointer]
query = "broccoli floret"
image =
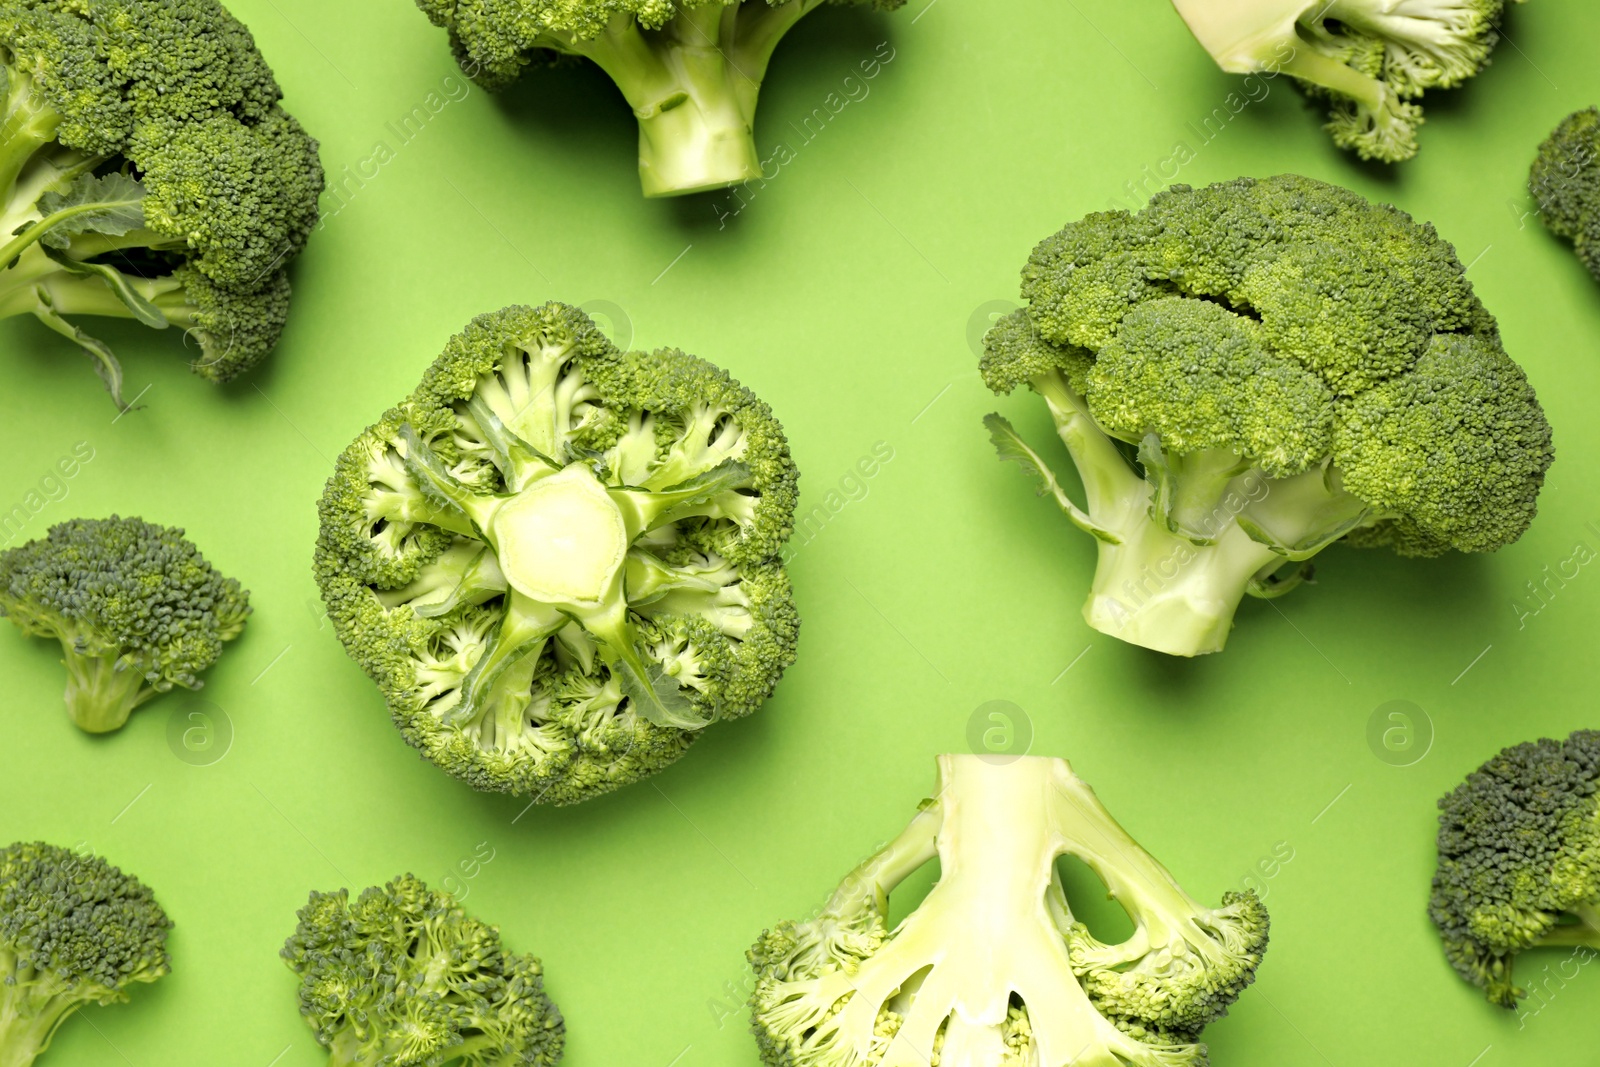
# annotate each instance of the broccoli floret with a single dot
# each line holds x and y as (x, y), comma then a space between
(689, 69)
(1519, 860)
(148, 172)
(1371, 59)
(993, 967)
(136, 607)
(1244, 374)
(1565, 180)
(403, 977)
(559, 561)
(74, 930)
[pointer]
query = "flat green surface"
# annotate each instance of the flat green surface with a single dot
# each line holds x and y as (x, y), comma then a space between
(842, 293)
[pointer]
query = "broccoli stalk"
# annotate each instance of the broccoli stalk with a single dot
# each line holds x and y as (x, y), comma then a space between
(691, 71)
(992, 967)
(74, 931)
(146, 188)
(1371, 58)
(135, 606)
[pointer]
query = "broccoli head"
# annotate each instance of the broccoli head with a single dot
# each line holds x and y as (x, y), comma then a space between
(689, 69)
(74, 930)
(559, 562)
(1519, 860)
(148, 172)
(403, 977)
(1371, 59)
(1565, 180)
(1246, 373)
(992, 967)
(136, 607)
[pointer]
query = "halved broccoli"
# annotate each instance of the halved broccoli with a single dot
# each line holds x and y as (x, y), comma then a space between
(1565, 180)
(403, 977)
(1246, 373)
(1519, 860)
(148, 172)
(74, 931)
(558, 561)
(136, 607)
(689, 69)
(992, 967)
(1370, 58)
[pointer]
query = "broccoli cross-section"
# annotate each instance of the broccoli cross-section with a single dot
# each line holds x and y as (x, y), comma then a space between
(689, 69)
(136, 607)
(1519, 860)
(559, 562)
(993, 967)
(403, 977)
(148, 172)
(74, 931)
(1371, 59)
(1247, 373)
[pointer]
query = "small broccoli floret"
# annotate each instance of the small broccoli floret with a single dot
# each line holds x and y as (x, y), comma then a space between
(690, 69)
(1370, 58)
(992, 967)
(148, 172)
(136, 607)
(74, 931)
(403, 977)
(1246, 373)
(559, 561)
(1519, 860)
(1565, 180)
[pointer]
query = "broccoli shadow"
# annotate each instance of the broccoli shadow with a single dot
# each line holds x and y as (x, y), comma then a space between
(572, 112)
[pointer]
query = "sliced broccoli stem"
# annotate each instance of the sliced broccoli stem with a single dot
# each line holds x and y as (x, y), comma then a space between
(693, 86)
(1163, 591)
(869, 885)
(102, 692)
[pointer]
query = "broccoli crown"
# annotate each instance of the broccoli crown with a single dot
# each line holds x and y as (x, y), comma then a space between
(136, 607)
(992, 967)
(1565, 180)
(148, 143)
(559, 561)
(690, 70)
(74, 930)
(1519, 860)
(1300, 326)
(403, 977)
(1370, 58)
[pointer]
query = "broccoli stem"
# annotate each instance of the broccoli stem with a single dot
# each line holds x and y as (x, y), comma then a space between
(28, 125)
(1583, 933)
(1163, 591)
(693, 86)
(32, 1009)
(102, 691)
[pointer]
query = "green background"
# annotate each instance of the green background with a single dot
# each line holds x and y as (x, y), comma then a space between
(842, 293)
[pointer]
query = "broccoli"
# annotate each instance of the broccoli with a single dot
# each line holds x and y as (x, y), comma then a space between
(1565, 180)
(690, 70)
(1519, 860)
(1369, 58)
(405, 978)
(148, 172)
(992, 967)
(1246, 373)
(74, 930)
(559, 562)
(136, 607)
